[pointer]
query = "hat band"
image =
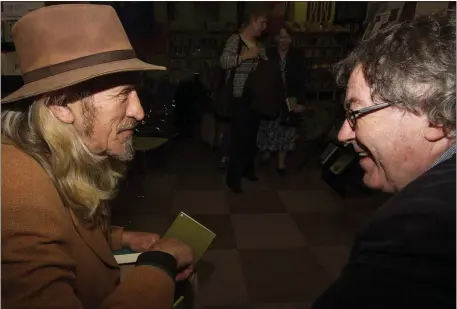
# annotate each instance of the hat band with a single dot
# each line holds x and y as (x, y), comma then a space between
(83, 62)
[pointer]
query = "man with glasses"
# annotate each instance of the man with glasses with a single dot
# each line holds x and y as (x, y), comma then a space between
(400, 104)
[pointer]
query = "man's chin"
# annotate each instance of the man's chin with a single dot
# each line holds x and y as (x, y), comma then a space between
(370, 177)
(125, 155)
(372, 183)
(375, 180)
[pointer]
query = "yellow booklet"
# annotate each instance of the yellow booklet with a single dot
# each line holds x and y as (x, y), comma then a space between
(192, 233)
(187, 230)
(183, 228)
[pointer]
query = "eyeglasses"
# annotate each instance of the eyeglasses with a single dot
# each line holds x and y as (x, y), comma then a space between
(352, 116)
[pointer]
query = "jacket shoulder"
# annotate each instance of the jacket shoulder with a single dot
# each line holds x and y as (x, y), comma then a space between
(24, 180)
(296, 54)
(272, 53)
(233, 39)
(433, 192)
(17, 164)
(420, 219)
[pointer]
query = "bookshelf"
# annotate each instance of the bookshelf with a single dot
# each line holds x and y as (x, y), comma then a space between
(11, 76)
(321, 51)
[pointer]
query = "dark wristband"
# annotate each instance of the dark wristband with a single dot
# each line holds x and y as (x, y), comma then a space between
(164, 261)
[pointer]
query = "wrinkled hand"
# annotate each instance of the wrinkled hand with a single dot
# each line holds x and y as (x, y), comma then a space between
(185, 273)
(181, 252)
(139, 241)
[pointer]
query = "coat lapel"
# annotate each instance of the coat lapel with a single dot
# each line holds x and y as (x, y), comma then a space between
(94, 238)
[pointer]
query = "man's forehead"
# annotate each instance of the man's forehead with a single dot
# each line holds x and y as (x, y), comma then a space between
(358, 91)
(356, 76)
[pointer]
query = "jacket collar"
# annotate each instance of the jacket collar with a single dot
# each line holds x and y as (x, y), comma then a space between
(6, 140)
(446, 155)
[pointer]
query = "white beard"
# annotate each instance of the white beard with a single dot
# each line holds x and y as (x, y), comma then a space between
(129, 151)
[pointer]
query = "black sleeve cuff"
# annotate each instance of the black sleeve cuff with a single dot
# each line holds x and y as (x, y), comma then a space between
(164, 261)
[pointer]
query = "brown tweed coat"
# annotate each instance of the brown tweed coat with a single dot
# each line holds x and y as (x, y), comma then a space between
(51, 259)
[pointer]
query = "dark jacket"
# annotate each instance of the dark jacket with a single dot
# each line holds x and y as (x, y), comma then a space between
(406, 256)
(295, 71)
(264, 90)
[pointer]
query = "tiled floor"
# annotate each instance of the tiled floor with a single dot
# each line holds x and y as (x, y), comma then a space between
(278, 246)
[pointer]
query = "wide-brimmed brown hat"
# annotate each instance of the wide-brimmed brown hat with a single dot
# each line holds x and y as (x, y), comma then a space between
(63, 45)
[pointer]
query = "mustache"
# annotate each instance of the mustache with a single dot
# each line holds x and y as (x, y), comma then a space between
(128, 125)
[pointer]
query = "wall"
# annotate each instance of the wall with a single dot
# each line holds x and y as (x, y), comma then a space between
(421, 7)
(190, 16)
(429, 7)
(376, 7)
(193, 15)
(160, 9)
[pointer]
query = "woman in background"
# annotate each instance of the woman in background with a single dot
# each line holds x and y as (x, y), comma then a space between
(245, 122)
(275, 135)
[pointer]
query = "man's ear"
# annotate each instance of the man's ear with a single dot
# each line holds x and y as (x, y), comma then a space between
(434, 132)
(63, 113)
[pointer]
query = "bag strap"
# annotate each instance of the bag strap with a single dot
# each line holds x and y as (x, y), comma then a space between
(257, 60)
(233, 70)
(240, 43)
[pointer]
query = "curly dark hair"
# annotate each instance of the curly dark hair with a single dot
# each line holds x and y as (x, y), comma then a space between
(410, 65)
(289, 29)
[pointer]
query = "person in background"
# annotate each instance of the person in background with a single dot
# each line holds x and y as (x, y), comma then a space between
(245, 122)
(277, 136)
(400, 104)
(65, 136)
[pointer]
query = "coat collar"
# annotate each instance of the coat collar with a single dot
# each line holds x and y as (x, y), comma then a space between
(6, 141)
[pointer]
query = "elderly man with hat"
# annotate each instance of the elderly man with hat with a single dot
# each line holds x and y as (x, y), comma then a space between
(63, 135)
(400, 104)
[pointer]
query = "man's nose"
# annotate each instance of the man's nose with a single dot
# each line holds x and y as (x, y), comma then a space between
(135, 110)
(346, 133)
